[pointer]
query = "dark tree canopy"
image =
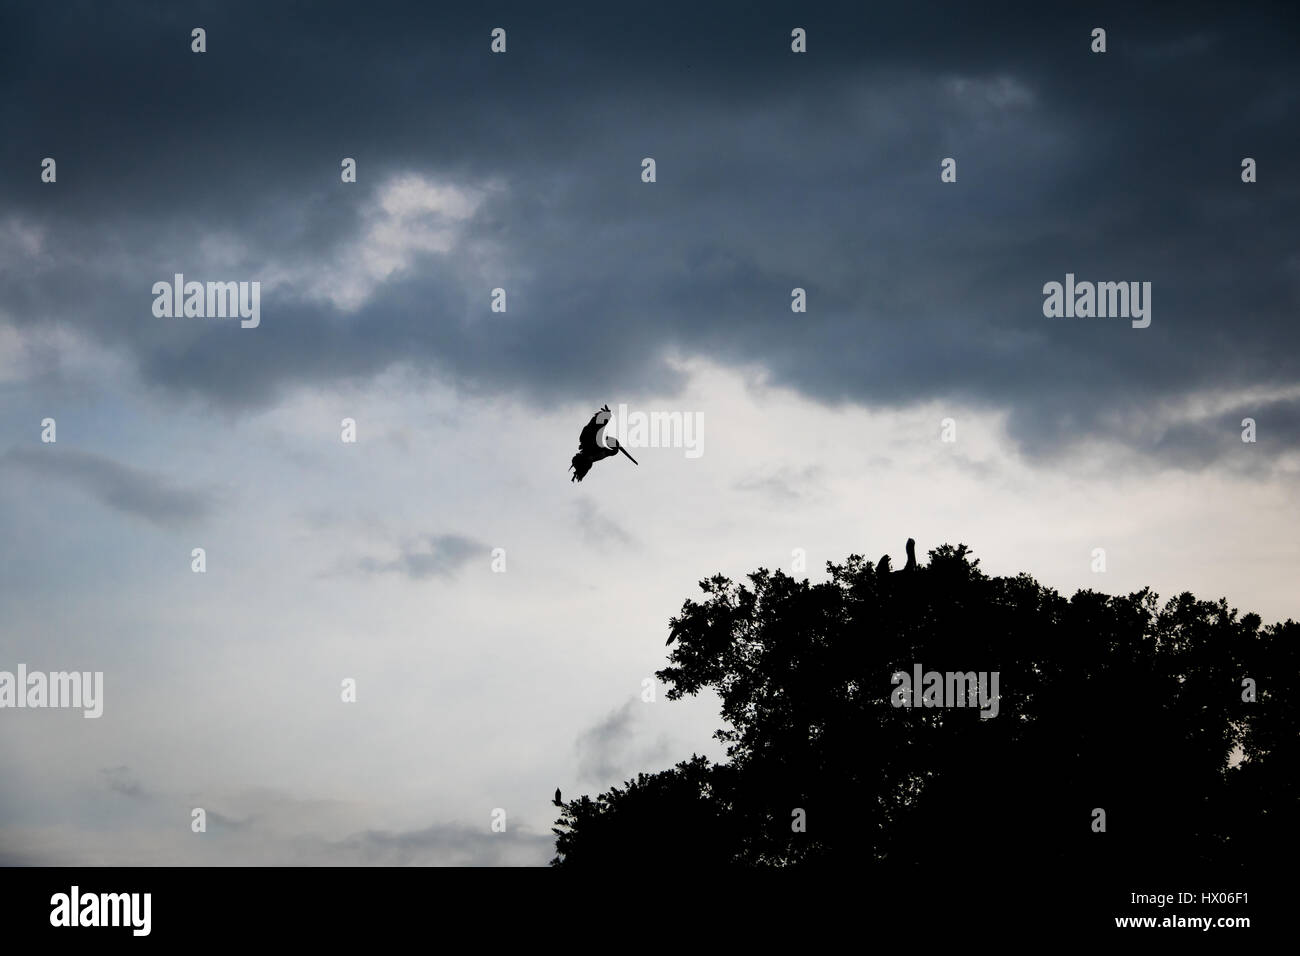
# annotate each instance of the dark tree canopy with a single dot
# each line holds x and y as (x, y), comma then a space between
(1108, 702)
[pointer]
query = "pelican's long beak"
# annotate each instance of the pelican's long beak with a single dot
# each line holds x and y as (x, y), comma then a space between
(624, 451)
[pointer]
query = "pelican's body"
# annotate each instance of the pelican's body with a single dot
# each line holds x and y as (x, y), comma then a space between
(593, 445)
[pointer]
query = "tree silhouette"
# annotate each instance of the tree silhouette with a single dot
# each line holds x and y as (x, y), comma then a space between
(1107, 702)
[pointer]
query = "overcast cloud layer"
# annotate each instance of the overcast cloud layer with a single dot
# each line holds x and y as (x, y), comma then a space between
(481, 690)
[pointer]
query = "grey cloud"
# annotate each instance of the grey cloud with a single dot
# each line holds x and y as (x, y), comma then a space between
(598, 529)
(601, 748)
(126, 489)
(122, 780)
(435, 555)
(435, 845)
(608, 750)
(261, 826)
(438, 845)
(1216, 440)
(785, 484)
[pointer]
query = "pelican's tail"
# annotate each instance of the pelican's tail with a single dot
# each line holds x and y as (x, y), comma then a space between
(580, 466)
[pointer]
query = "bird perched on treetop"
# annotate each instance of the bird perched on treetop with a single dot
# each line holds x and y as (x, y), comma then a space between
(593, 445)
(882, 567)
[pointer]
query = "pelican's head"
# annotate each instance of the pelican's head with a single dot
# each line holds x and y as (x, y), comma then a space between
(602, 419)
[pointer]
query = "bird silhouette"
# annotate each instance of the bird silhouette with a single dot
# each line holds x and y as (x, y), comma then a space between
(672, 636)
(556, 801)
(593, 445)
(883, 566)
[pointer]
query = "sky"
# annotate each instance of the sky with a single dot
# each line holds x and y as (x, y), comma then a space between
(499, 622)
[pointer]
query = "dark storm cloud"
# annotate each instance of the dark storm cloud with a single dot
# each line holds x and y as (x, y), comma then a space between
(774, 171)
(126, 489)
(1218, 438)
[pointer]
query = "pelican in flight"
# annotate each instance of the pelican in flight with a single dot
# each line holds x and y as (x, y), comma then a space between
(593, 445)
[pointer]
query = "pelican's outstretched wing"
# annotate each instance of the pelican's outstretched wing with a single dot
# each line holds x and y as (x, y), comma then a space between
(587, 439)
